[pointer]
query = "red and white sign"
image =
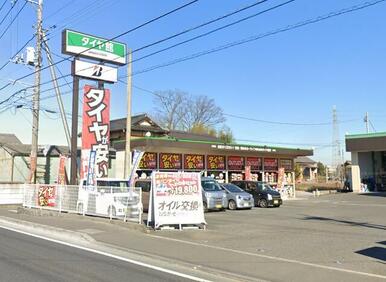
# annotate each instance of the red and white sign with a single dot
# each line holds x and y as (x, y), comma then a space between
(96, 130)
(62, 170)
(270, 164)
(255, 163)
(248, 175)
(235, 163)
(46, 196)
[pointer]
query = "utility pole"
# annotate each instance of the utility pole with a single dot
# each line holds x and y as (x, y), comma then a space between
(74, 130)
(127, 165)
(366, 120)
(36, 97)
(58, 96)
(336, 151)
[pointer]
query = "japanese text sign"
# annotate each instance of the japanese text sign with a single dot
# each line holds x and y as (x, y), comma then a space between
(89, 46)
(270, 164)
(170, 161)
(46, 196)
(215, 162)
(235, 163)
(96, 130)
(177, 199)
(194, 161)
(255, 163)
(61, 180)
(148, 161)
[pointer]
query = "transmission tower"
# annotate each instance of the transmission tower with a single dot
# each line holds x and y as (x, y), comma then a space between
(336, 148)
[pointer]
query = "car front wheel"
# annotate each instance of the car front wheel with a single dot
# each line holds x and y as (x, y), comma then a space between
(232, 205)
(263, 203)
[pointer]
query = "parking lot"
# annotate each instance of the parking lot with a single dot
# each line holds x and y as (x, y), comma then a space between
(343, 231)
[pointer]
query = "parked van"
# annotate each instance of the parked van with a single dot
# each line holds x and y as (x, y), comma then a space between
(213, 196)
(109, 197)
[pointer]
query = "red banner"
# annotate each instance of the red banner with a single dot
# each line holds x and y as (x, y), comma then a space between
(287, 164)
(254, 162)
(46, 196)
(170, 161)
(96, 130)
(194, 161)
(215, 162)
(248, 175)
(62, 170)
(148, 161)
(235, 163)
(270, 164)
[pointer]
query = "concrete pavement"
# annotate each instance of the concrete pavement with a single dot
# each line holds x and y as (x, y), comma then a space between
(335, 237)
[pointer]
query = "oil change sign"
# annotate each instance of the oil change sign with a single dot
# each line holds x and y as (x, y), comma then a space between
(89, 46)
(176, 199)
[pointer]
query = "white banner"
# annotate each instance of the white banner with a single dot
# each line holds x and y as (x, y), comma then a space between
(95, 71)
(176, 199)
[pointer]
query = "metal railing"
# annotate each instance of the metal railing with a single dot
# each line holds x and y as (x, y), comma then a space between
(111, 202)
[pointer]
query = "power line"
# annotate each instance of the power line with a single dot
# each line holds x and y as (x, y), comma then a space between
(8, 12)
(2, 6)
(215, 30)
(17, 14)
(109, 40)
(260, 36)
(18, 51)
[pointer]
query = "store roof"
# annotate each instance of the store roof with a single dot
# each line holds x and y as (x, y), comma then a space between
(178, 134)
(366, 142)
(305, 160)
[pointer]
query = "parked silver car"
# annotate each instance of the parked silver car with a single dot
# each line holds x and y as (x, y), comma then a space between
(213, 196)
(237, 198)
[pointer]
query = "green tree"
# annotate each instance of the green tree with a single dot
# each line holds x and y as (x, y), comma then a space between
(298, 172)
(225, 134)
(321, 169)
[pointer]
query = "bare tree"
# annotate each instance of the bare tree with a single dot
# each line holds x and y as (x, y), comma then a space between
(179, 110)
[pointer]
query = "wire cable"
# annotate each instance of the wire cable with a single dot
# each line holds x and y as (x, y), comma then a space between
(14, 18)
(2, 6)
(8, 12)
(17, 52)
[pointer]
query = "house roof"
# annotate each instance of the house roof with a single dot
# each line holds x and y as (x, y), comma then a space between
(305, 160)
(140, 122)
(6, 138)
(25, 149)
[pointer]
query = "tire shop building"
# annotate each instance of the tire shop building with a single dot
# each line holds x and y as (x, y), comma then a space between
(184, 151)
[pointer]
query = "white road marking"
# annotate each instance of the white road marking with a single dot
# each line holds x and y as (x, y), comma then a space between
(274, 258)
(161, 269)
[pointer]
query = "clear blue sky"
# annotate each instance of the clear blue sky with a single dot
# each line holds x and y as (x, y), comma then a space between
(296, 76)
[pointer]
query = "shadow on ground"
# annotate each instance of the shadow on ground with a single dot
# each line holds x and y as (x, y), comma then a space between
(374, 194)
(374, 252)
(347, 222)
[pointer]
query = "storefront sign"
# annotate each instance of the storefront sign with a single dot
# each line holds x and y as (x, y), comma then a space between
(94, 71)
(95, 130)
(287, 164)
(194, 162)
(170, 161)
(46, 196)
(176, 199)
(243, 148)
(148, 161)
(89, 46)
(215, 162)
(255, 163)
(270, 164)
(235, 163)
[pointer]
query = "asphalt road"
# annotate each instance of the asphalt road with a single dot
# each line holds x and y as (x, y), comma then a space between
(26, 258)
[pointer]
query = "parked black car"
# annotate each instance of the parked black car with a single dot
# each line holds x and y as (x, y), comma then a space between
(265, 196)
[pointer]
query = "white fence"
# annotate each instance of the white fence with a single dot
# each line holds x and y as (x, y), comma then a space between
(112, 202)
(11, 194)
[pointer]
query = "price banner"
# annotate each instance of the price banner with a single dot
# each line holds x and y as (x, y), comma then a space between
(176, 199)
(254, 162)
(46, 196)
(270, 164)
(170, 161)
(148, 161)
(194, 162)
(235, 163)
(287, 164)
(215, 162)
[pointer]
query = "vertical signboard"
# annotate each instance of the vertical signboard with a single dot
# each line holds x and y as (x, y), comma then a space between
(176, 199)
(248, 175)
(95, 130)
(62, 170)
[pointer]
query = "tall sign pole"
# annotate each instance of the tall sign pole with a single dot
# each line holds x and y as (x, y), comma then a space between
(74, 129)
(127, 165)
(36, 97)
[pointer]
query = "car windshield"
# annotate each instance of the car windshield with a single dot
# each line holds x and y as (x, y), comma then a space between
(232, 188)
(211, 186)
(266, 187)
